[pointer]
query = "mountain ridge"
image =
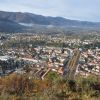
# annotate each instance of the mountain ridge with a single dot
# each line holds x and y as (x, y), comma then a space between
(34, 19)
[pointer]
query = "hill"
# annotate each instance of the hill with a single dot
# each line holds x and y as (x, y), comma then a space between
(9, 26)
(22, 22)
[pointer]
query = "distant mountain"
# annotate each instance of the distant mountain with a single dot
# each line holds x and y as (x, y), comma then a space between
(17, 21)
(9, 26)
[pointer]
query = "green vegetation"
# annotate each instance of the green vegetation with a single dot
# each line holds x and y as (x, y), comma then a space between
(53, 87)
(24, 44)
(93, 46)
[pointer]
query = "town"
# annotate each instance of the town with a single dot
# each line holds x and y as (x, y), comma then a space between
(37, 55)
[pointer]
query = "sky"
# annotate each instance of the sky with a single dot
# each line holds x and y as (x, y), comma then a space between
(85, 10)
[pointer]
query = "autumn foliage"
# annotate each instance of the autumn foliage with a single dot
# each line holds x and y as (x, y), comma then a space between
(17, 87)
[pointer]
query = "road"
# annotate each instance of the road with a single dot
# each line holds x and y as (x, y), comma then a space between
(72, 64)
